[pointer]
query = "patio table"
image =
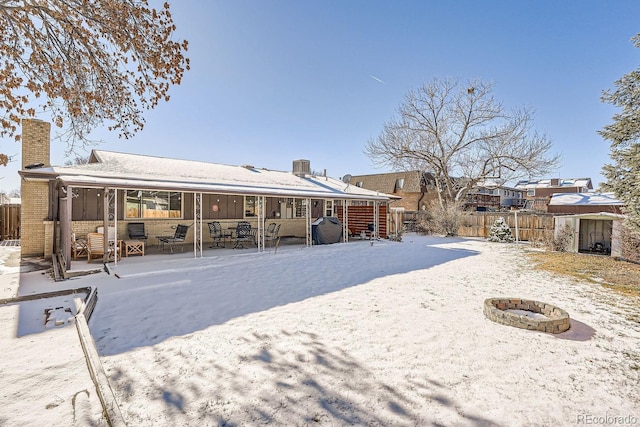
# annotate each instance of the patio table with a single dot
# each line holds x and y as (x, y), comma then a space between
(133, 247)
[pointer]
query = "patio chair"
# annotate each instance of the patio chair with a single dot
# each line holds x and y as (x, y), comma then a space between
(177, 239)
(267, 232)
(217, 234)
(95, 247)
(271, 235)
(244, 233)
(136, 231)
(78, 247)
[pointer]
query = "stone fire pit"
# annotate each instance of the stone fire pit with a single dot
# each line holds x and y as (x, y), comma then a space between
(527, 314)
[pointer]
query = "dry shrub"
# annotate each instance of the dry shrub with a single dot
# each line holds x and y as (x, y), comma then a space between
(437, 219)
(559, 242)
(630, 244)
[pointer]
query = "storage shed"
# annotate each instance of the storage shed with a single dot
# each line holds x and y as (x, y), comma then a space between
(592, 232)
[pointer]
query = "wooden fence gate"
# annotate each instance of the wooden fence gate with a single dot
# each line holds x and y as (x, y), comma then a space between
(9, 222)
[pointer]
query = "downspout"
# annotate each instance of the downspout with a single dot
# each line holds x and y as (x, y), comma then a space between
(422, 196)
(423, 192)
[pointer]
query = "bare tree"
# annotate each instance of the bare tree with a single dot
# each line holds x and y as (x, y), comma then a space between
(461, 131)
(77, 160)
(85, 63)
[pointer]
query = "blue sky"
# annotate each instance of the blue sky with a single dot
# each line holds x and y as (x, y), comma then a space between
(274, 81)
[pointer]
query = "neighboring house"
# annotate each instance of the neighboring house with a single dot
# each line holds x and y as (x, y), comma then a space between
(6, 200)
(417, 189)
(539, 192)
(490, 196)
(116, 188)
(414, 189)
(9, 217)
(581, 203)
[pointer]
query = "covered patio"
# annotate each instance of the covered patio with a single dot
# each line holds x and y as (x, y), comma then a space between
(116, 189)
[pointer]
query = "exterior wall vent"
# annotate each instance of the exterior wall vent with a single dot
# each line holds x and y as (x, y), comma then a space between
(301, 168)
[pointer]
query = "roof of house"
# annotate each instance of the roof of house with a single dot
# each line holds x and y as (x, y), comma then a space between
(584, 199)
(555, 183)
(387, 182)
(6, 200)
(124, 170)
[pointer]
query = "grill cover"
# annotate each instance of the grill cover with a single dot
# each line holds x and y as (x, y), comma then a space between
(326, 230)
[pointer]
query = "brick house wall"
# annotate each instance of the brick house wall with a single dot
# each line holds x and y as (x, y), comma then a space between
(415, 193)
(35, 195)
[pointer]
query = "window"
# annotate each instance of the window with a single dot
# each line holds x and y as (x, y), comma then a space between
(531, 192)
(328, 208)
(153, 204)
(399, 184)
(249, 206)
(292, 208)
(301, 208)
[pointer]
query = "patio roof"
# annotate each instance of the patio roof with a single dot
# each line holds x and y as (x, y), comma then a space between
(122, 170)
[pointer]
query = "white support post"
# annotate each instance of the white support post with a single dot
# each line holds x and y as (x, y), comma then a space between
(197, 224)
(375, 234)
(105, 224)
(260, 213)
(115, 225)
(345, 222)
(307, 215)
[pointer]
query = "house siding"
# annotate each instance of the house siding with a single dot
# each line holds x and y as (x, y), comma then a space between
(414, 194)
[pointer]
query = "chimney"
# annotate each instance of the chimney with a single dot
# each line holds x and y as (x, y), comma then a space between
(35, 142)
(36, 238)
(301, 168)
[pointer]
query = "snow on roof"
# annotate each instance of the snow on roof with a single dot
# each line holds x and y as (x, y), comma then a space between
(133, 170)
(580, 199)
(547, 183)
(6, 200)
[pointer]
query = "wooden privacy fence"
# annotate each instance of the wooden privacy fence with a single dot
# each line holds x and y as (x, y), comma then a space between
(361, 216)
(9, 222)
(533, 227)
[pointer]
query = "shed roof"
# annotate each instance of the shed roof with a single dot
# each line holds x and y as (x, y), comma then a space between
(584, 199)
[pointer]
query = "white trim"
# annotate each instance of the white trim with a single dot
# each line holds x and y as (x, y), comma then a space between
(125, 184)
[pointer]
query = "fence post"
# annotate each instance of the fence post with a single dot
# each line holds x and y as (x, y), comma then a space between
(484, 225)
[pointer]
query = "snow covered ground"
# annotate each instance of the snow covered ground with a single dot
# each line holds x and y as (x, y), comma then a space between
(386, 334)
